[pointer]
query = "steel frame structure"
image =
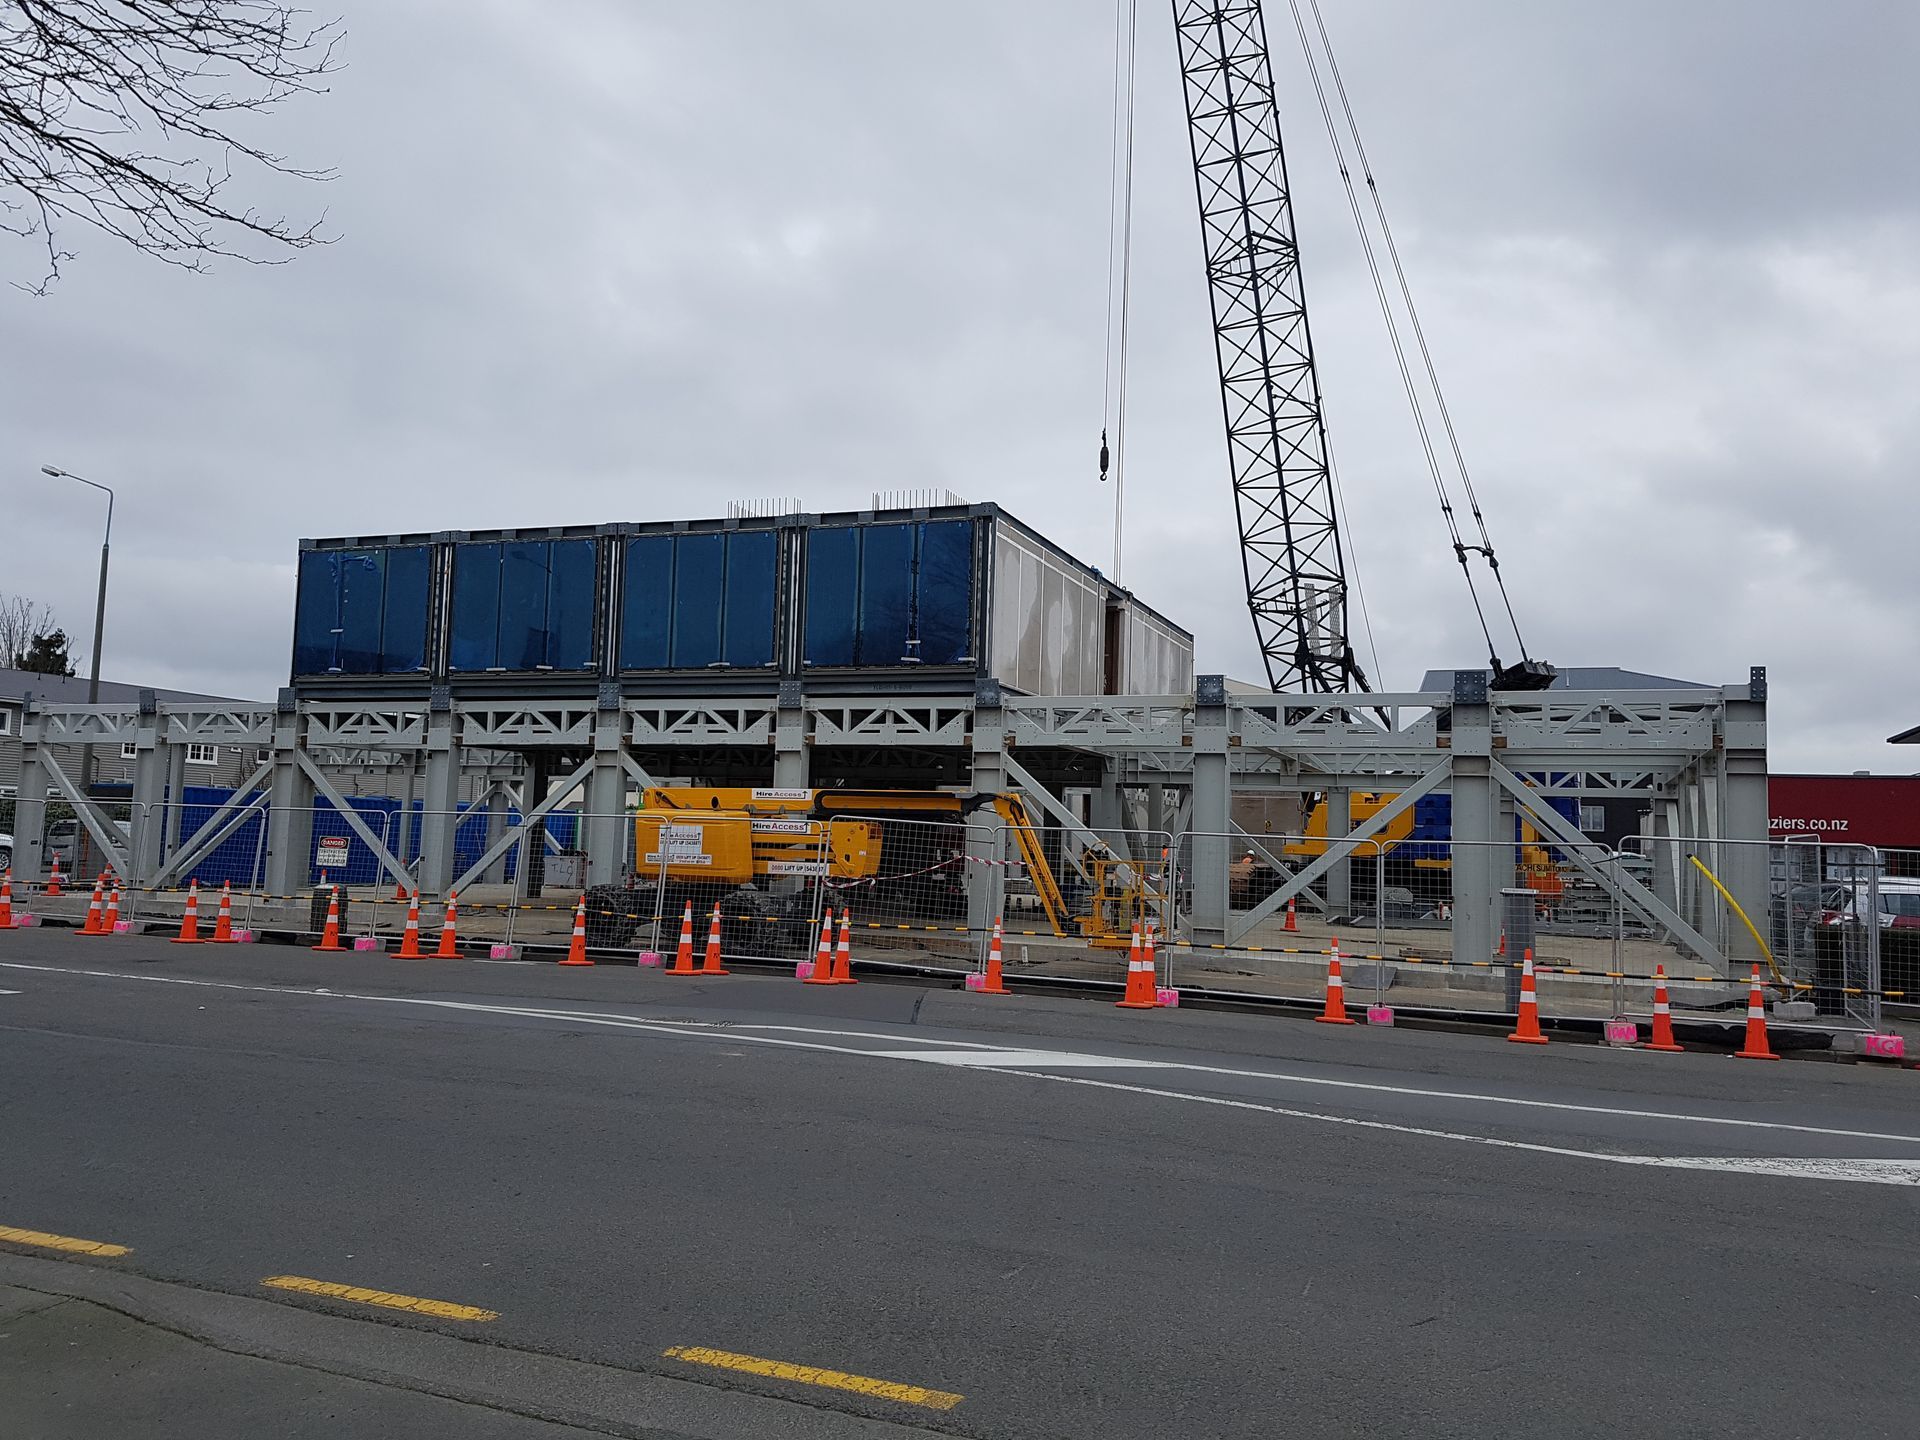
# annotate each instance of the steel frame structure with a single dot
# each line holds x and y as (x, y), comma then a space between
(1698, 755)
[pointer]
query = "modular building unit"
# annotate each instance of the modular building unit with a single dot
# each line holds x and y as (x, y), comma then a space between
(928, 600)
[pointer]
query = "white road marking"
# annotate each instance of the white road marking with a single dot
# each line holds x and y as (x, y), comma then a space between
(1002, 1059)
(12, 992)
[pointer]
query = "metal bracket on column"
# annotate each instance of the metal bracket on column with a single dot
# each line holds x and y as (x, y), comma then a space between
(527, 820)
(106, 836)
(1632, 893)
(1338, 850)
(397, 872)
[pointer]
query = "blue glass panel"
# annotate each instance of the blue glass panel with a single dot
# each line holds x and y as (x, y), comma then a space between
(524, 566)
(362, 598)
(403, 630)
(696, 600)
(886, 594)
(946, 591)
(570, 610)
(833, 572)
(475, 640)
(752, 565)
(647, 592)
(315, 611)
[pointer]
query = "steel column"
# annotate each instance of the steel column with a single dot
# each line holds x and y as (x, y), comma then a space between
(440, 799)
(1212, 810)
(1474, 816)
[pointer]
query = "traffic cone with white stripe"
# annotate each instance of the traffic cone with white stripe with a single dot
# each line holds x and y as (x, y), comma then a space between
(410, 941)
(330, 936)
(1662, 1015)
(993, 984)
(577, 948)
(843, 955)
(6, 901)
(1527, 1032)
(1139, 994)
(110, 923)
(683, 958)
(92, 927)
(223, 921)
(190, 917)
(1335, 1011)
(1293, 921)
(711, 964)
(822, 972)
(53, 880)
(449, 939)
(1756, 1047)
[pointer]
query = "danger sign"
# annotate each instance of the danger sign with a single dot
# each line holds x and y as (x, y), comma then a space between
(332, 854)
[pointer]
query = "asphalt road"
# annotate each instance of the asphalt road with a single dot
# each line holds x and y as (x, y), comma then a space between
(1079, 1221)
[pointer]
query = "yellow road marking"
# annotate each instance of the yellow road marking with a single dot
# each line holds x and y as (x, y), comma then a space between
(441, 1309)
(61, 1242)
(813, 1375)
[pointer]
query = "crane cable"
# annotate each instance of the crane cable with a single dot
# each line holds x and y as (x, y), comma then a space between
(1460, 546)
(1126, 31)
(1419, 331)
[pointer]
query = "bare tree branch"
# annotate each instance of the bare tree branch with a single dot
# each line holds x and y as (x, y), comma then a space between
(85, 83)
(22, 621)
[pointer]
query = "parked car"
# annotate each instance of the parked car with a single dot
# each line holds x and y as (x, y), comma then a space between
(6, 852)
(63, 836)
(1897, 900)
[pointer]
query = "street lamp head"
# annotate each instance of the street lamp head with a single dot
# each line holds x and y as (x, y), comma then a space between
(53, 471)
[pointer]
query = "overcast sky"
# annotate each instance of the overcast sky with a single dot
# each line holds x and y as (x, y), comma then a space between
(628, 260)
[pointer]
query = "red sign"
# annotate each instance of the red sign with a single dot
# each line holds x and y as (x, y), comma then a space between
(1846, 809)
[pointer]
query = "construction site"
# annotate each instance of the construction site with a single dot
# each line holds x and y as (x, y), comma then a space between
(925, 717)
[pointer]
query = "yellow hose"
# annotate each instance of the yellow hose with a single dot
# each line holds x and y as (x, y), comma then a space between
(1765, 949)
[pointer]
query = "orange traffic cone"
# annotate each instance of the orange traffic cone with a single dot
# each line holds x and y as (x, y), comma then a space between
(53, 880)
(1501, 949)
(577, 950)
(1527, 1032)
(400, 890)
(410, 941)
(1293, 922)
(711, 964)
(993, 985)
(1662, 1016)
(843, 957)
(683, 960)
(1756, 1046)
(449, 940)
(330, 937)
(92, 927)
(110, 923)
(6, 900)
(1139, 994)
(223, 921)
(190, 917)
(822, 973)
(1335, 1010)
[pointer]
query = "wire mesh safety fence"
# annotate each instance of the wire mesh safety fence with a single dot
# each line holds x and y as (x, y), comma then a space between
(1835, 927)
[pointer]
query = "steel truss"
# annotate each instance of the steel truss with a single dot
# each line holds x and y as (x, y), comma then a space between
(1698, 755)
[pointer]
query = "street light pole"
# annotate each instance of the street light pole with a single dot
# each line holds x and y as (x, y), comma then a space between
(99, 609)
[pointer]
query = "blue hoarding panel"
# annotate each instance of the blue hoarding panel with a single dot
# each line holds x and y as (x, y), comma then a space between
(363, 611)
(475, 636)
(833, 578)
(698, 584)
(886, 595)
(523, 605)
(753, 567)
(646, 606)
(946, 592)
(571, 605)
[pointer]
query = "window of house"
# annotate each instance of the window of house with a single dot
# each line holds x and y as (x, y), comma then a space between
(203, 754)
(129, 750)
(6, 721)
